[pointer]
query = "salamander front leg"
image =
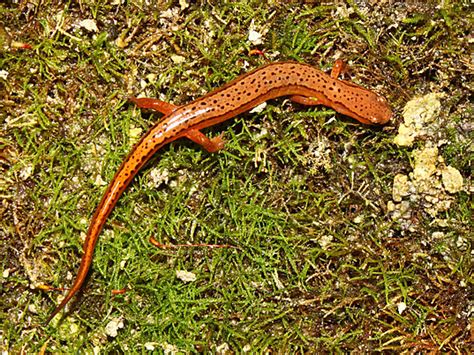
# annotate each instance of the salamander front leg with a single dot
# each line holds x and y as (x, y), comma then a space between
(210, 144)
(154, 104)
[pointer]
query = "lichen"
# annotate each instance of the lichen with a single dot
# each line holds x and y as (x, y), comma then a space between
(431, 184)
(452, 179)
(419, 115)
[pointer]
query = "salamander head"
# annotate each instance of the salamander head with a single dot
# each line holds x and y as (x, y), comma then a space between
(379, 111)
(362, 104)
(372, 109)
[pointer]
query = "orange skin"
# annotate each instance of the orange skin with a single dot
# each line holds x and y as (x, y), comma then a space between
(301, 82)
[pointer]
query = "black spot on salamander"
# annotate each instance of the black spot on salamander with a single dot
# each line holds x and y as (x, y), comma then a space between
(215, 101)
(203, 103)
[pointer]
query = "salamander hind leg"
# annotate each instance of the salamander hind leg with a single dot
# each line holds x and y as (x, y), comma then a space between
(153, 104)
(210, 144)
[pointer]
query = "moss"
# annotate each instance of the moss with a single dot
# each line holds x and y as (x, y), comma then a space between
(318, 264)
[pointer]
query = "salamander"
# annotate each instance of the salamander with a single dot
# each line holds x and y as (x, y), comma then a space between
(303, 83)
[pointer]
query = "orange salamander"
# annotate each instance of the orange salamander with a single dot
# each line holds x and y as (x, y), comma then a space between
(301, 82)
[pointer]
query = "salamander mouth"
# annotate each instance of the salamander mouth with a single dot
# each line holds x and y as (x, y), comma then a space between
(385, 117)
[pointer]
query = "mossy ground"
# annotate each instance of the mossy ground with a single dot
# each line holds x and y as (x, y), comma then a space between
(318, 264)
